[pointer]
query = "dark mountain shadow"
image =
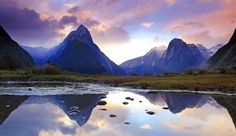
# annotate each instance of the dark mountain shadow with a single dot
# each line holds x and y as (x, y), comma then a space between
(8, 104)
(228, 103)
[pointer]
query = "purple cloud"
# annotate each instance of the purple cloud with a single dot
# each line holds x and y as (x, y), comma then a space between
(26, 26)
(68, 20)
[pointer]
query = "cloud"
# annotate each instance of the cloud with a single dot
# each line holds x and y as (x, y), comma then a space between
(156, 39)
(74, 9)
(65, 20)
(184, 26)
(106, 2)
(26, 26)
(209, 27)
(147, 24)
(103, 34)
(106, 35)
(171, 2)
(205, 38)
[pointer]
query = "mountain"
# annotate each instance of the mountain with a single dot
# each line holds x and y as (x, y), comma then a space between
(78, 53)
(214, 49)
(39, 54)
(146, 64)
(12, 56)
(181, 56)
(225, 56)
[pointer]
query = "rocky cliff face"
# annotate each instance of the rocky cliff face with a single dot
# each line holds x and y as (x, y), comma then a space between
(12, 56)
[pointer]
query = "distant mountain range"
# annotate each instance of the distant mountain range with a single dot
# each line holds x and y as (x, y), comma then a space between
(225, 56)
(146, 64)
(78, 53)
(40, 55)
(12, 56)
(178, 57)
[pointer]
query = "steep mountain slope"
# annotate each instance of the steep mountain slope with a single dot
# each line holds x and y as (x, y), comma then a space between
(78, 53)
(146, 64)
(181, 56)
(225, 56)
(39, 54)
(214, 49)
(11, 54)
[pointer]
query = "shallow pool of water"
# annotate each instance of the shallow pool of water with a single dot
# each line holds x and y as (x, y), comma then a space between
(117, 113)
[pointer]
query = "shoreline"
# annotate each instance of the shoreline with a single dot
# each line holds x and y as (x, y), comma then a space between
(48, 83)
(223, 83)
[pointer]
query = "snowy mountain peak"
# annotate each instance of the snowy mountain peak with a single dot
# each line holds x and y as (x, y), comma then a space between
(156, 51)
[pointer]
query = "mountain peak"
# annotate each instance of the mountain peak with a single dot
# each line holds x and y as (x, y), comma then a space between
(82, 27)
(177, 43)
(81, 34)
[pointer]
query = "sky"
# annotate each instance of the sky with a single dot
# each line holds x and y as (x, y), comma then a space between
(123, 29)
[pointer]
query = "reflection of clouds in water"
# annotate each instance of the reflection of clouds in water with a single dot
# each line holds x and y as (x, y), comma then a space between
(145, 126)
(101, 124)
(45, 119)
(203, 114)
(30, 119)
(216, 126)
(51, 133)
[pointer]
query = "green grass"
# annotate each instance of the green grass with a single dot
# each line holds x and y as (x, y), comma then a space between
(206, 82)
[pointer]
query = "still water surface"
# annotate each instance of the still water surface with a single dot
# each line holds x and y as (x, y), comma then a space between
(117, 113)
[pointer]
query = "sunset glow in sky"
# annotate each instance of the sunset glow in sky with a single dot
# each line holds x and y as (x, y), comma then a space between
(123, 29)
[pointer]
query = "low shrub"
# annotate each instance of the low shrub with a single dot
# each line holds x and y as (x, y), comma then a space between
(48, 69)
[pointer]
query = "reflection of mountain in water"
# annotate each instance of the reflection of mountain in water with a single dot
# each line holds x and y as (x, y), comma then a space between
(8, 104)
(78, 107)
(179, 102)
(229, 104)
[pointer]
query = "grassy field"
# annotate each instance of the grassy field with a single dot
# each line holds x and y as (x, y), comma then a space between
(205, 82)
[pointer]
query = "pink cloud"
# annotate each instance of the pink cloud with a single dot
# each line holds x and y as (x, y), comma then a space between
(208, 28)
